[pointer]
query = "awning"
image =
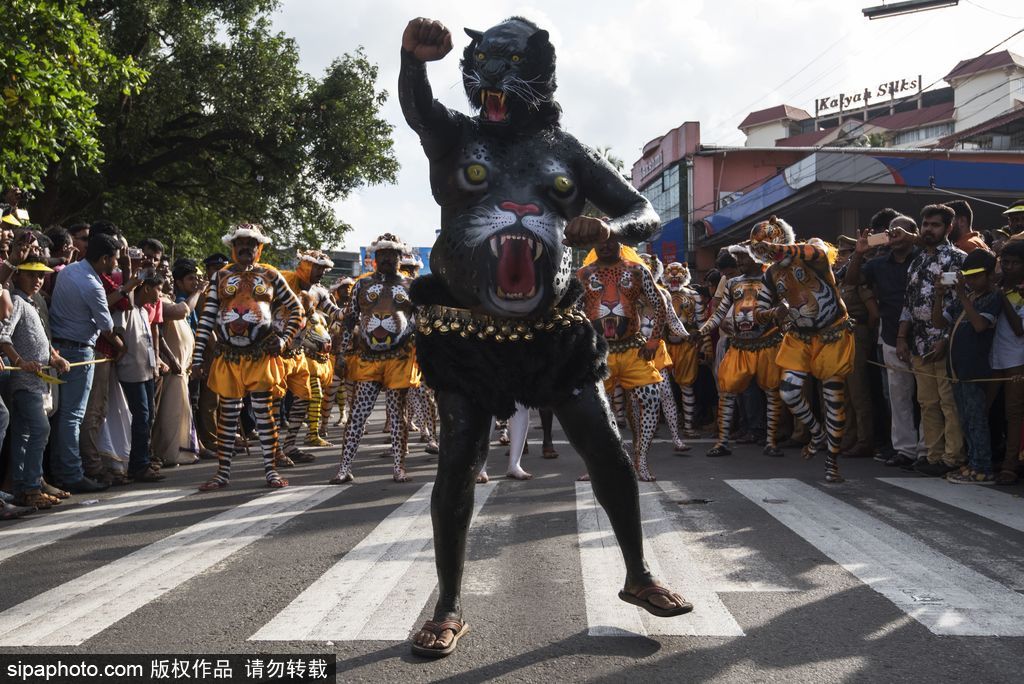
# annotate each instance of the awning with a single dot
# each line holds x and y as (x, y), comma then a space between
(834, 180)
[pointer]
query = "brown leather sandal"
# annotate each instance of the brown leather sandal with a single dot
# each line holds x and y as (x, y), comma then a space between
(458, 630)
(640, 599)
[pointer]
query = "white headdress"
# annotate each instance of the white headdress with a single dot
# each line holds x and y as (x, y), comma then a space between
(246, 230)
(388, 241)
(315, 257)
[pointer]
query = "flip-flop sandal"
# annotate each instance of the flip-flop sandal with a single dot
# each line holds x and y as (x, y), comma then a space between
(48, 488)
(279, 483)
(549, 453)
(435, 628)
(640, 600)
(213, 485)
(348, 477)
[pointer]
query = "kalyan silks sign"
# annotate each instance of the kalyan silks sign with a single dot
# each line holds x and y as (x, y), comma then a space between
(844, 101)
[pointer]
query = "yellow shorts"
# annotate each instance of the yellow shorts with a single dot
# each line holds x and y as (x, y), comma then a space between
(662, 359)
(350, 364)
(740, 366)
(820, 359)
(401, 373)
(629, 371)
(296, 377)
(684, 363)
(235, 379)
(321, 370)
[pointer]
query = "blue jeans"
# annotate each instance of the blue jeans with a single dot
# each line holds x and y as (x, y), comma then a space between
(972, 406)
(65, 459)
(29, 433)
(140, 402)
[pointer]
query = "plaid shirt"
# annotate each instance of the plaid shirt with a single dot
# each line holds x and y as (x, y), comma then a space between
(923, 275)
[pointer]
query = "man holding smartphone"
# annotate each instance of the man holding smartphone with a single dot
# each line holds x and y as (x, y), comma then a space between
(886, 275)
(924, 345)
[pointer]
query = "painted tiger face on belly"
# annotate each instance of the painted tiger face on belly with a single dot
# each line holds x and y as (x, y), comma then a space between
(385, 320)
(244, 318)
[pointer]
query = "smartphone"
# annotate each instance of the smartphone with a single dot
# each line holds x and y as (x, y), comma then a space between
(948, 278)
(878, 239)
(135, 254)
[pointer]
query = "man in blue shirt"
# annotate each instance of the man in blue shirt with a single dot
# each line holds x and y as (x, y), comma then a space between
(79, 315)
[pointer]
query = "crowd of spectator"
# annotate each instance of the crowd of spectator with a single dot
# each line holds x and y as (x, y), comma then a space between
(938, 379)
(96, 338)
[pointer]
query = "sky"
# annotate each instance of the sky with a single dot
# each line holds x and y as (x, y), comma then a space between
(629, 72)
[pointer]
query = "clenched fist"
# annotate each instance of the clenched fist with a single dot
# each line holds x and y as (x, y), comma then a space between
(586, 231)
(427, 39)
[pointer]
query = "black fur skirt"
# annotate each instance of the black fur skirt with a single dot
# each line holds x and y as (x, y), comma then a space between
(541, 372)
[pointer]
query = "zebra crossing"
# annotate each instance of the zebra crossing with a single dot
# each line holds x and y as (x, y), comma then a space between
(380, 589)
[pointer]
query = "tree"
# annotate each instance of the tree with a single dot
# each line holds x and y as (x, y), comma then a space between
(54, 61)
(227, 129)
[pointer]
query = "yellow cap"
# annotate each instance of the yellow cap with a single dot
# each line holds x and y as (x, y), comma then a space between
(35, 266)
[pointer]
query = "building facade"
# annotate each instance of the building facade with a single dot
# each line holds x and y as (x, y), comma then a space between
(900, 144)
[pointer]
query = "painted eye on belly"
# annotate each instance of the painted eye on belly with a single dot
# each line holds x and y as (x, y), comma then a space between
(476, 173)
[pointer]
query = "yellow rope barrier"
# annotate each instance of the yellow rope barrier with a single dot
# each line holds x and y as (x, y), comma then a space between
(1012, 378)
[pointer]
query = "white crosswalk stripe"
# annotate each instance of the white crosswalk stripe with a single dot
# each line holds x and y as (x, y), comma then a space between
(668, 558)
(984, 502)
(728, 563)
(381, 587)
(62, 523)
(378, 590)
(78, 610)
(945, 596)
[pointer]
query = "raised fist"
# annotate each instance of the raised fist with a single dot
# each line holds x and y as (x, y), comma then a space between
(585, 231)
(427, 39)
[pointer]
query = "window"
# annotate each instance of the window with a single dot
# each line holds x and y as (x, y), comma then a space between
(926, 133)
(664, 194)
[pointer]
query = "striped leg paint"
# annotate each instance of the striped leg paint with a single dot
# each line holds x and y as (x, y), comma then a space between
(228, 411)
(834, 394)
(266, 427)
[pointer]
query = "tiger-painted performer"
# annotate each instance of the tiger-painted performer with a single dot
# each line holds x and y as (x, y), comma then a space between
(687, 353)
(385, 356)
(317, 367)
(421, 406)
(616, 284)
(241, 301)
(338, 390)
(662, 358)
(497, 317)
(819, 340)
(312, 266)
(753, 342)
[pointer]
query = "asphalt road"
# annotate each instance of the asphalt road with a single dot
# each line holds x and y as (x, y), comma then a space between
(909, 579)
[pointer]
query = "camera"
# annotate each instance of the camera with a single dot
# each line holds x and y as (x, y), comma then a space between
(878, 239)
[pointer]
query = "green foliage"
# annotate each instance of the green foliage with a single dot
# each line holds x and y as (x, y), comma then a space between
(53, 62)
(227, 129)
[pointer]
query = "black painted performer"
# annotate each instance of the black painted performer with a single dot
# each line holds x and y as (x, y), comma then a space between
(497, 319)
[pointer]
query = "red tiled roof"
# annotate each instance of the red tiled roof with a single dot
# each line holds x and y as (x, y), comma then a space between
(915, 117)
(804, 139)
(977, 65)
(775, 113)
